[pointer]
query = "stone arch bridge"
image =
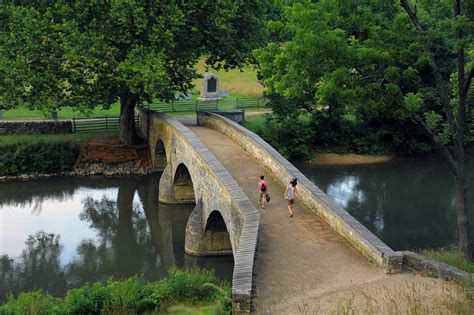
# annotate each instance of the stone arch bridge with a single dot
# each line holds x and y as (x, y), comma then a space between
(225, 221)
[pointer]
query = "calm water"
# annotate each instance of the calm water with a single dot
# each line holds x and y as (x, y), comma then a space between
(408, 203)
(60, 233)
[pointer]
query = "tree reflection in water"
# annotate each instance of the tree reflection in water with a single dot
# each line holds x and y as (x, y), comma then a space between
(37, 267)
(131, 239)
(133, 234)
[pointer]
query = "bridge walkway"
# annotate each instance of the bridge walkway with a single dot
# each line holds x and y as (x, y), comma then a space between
(301, 265)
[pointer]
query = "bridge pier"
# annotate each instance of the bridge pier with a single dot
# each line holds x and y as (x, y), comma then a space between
(165, 193)
(210, 240)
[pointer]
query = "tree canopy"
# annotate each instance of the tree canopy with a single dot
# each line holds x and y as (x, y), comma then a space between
(88, 53)
(362, 61)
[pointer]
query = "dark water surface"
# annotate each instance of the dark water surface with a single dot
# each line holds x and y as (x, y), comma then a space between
(407, 202)
(59, 233)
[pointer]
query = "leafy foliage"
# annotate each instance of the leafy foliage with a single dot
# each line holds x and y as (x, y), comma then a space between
(193, 287)
(83, 54)
(37, 156)
(360, 65)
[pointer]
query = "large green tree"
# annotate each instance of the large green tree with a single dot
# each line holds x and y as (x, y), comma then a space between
(448, 127)
(88, 53)
(370, 65)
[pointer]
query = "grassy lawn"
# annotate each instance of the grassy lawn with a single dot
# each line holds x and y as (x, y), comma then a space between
(236, 82)
(254, 122)
(74, 137)
(64, 113)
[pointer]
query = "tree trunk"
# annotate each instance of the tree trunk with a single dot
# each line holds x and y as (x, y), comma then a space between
(127, 133)
(462, 206)
(457, 124)
(126, 258)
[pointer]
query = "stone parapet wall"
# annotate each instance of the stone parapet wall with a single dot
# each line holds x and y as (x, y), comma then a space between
(309, 194)
(210, 179)
(237, 115)
(35, 127)
(435, 268)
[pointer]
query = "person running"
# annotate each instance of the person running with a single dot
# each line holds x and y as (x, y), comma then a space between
(262, 188)
(290, 194)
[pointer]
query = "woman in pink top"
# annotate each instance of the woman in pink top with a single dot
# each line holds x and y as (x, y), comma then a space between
(262, 188)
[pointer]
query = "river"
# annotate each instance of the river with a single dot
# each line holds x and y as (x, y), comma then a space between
(60, 233)
(407, 202)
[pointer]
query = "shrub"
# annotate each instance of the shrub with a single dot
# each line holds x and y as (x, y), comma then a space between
(44, 157)
(124, 296)
(35, 302)
(88, 299)
(292, 137)
(129, 296)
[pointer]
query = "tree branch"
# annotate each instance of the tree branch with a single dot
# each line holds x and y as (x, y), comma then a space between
(468, 81)
(440, 83)
(434, 138)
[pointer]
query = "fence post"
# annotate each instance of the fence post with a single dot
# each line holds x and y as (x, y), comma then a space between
(106, 124)
(258, 101)
(197, 105)
(217, 104)
(73, 124)
(172, 105)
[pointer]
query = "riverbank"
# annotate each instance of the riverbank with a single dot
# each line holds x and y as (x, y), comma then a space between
(43, 156)
(349, 159)
(88, 169)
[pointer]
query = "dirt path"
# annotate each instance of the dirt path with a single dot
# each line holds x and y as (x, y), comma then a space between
(302, 266)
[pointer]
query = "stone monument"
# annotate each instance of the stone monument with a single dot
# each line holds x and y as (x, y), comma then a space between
(210, 88)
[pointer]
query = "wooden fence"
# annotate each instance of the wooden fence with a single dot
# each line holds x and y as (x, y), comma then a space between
(106, 123)
(111, 123)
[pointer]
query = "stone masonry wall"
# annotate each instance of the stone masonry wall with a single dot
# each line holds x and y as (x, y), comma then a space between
(435, 268)
(210, 179)
(35, 127)
(309, 194)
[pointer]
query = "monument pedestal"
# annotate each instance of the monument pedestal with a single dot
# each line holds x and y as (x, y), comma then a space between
(210, 89)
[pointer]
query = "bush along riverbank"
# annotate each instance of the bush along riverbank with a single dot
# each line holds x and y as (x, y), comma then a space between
(187, 291)
(41, 157)
(31, 157)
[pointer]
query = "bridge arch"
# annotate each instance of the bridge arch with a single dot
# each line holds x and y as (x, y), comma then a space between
(160, 157)
(216, 234)
(183, 187)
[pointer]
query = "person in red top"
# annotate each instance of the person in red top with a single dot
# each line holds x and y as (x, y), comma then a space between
(263, 189)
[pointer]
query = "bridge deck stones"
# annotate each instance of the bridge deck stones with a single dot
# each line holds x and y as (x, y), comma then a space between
(301, 259)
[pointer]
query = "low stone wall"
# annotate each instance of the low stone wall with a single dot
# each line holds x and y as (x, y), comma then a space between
(436, 268)
(237, 115)
(35, 127)
(311, 196)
